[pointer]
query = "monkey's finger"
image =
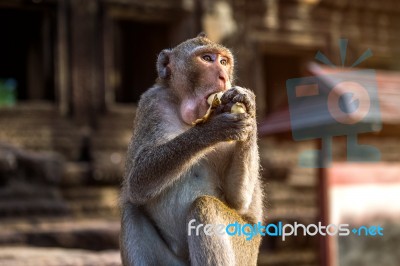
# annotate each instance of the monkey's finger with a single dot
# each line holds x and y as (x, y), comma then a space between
(246, 127)
(245, 99)
(241, 116)
(221, 109)
(234, 117)
(229, 95)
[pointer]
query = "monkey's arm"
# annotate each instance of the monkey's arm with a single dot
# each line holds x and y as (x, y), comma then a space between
(154, 168)
(241, 183)
(243, 177)
(155, 162)
(160, 152)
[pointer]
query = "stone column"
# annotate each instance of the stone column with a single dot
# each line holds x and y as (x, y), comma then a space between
(86, 60)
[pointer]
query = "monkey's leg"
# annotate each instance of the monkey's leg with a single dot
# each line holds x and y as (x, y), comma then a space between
(219, 249)
(140, 242)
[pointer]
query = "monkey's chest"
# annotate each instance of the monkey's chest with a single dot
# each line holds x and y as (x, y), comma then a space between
(170, 210)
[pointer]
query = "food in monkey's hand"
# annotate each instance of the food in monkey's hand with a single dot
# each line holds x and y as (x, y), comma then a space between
(238, 108)
(214, 100)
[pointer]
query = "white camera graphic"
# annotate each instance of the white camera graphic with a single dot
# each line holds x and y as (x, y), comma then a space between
(337, 104)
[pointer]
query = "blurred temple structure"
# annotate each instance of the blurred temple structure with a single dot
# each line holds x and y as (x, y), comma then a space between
(72, 71)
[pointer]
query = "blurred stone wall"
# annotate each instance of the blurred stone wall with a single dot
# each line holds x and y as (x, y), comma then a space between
(91, 131)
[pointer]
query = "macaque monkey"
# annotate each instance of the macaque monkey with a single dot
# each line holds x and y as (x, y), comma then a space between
(178, 171)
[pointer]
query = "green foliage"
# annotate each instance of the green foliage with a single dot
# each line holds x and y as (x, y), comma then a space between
(8, 92)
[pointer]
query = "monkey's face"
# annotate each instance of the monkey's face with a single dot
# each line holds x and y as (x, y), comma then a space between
(194, 70)
(209, 72)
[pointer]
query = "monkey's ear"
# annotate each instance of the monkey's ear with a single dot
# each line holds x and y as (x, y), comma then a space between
(202, 35)
(164, 71)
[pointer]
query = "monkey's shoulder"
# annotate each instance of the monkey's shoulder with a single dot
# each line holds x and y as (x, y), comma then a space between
(156, 116)
(156, 96)
(157, 102)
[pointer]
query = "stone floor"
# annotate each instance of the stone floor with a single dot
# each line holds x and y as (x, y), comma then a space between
(89, 234)
(29, 256)
(59, 242)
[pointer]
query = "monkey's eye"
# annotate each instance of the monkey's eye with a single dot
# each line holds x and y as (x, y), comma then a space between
(223, 62)
(207, 58)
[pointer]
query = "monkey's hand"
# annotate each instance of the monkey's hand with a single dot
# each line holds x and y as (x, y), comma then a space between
(239, 95)
(228, 126)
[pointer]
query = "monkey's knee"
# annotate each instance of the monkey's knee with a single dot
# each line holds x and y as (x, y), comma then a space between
(222, 249)
(209, 209)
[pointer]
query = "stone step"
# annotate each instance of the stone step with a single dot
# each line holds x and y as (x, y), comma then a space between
(32, 207)
(28, 256)
(292, 197)
(283, 194)
(75, 174)
(109, 142)
(106, 169)
(107, 123)
(21, 190)
(292, 213)
(48, 208)
(69, 200)
(288, 258)
(92, 201)
(303, 177)
(89, 234)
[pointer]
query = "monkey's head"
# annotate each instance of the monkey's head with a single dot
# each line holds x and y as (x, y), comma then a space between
(193, 70)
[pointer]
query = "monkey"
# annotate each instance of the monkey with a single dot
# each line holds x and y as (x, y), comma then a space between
(178, 173)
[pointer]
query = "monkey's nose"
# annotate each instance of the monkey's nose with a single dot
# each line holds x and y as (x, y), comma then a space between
(223, 76)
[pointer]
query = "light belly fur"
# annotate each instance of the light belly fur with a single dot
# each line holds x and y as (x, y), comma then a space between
(175, 203)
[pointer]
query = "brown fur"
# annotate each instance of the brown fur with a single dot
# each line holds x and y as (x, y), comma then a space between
(176, 172)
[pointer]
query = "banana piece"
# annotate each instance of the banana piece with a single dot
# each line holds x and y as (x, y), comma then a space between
(238, 108)
(214, 100)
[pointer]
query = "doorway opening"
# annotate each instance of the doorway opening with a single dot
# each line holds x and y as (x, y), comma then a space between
(136, 48)
(27, 52)
(278, 69)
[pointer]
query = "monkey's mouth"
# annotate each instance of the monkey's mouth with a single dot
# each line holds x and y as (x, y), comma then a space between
(220, 89)
(208, 95)
(213, 101)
